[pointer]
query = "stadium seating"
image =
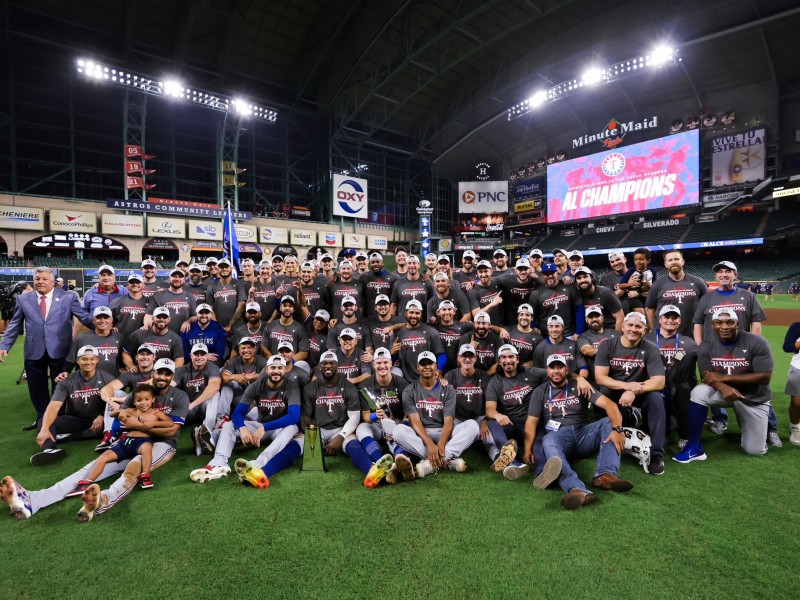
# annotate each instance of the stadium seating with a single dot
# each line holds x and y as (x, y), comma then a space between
(656, 236)
(592, 241)
(783, 220)
(728, 228)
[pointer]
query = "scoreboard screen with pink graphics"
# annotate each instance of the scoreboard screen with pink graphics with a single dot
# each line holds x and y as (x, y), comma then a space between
(654, 175)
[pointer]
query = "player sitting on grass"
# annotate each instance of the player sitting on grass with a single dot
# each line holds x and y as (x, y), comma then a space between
(133, 443)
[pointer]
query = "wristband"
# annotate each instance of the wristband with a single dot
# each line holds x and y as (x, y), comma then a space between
(373, 417)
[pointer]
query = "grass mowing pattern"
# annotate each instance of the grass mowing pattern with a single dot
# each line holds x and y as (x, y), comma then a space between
(726, 527)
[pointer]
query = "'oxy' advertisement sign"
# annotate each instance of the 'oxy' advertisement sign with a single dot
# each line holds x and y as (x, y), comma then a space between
(350, 197)
(482, 196)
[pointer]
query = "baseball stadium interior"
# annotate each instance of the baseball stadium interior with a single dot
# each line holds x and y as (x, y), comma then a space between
(515, 134)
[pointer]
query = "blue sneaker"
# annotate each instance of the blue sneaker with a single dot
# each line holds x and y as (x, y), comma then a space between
(690, 453)
(16, 497)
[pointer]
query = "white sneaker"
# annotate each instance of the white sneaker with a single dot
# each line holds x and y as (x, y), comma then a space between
(794, 436)
(516, 470)
(208, 473)
(773, 439)
(459, 465)
(424, 467)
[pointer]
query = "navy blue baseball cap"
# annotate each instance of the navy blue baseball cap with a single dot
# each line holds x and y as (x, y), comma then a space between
(549, 268)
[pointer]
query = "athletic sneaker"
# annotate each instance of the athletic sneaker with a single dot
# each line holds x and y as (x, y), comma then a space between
(144, 481)
(63, 437)
(508, 453)
(773, 439)
(208, 473)
(424, 467)
(79, 489)
(105, 443)
(393, 476)
(47, 457)
(206, 441)
(406, 467)
(794, 436)
(689, 454)
(516, 470)
(248, 472)
(656, 465)
(459, 465)
(378, 471)
(93, 499)
(16, 498)
(718, 427)
(550, 473)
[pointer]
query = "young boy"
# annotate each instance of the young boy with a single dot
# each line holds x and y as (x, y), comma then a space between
(132, 443)
(638, 280)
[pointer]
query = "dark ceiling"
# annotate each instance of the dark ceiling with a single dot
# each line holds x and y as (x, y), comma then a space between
(432, 78)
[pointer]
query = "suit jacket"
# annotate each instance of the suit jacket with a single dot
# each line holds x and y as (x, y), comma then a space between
(54, 334)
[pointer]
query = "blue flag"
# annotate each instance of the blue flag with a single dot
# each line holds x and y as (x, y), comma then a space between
(230, 244)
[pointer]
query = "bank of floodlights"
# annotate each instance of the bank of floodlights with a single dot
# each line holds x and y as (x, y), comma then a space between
(173, 89)
(595, 76)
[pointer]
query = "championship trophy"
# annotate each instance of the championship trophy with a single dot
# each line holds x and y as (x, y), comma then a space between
(375, 404)
(313, 456)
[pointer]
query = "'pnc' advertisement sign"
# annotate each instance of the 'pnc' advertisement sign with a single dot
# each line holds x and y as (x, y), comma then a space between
(350, 197)
(482, 196)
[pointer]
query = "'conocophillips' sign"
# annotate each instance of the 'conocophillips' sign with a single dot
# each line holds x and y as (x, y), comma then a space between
(73, 220)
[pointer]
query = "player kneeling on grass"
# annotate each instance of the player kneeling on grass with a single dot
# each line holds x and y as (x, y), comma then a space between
(570, 435)
(736, 369)
(432, 434)
(268, 412)
(133, 443)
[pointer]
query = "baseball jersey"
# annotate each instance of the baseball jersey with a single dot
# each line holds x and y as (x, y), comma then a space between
(271, 404)
(749, 353)
(481, 296)
(607, 300)
(194, 382)
(742, 302)
(224, 298)
(524, 342)
(181, 307)
(684, 294)
(108, 349)
(168, 345)
(294, 333)
(213, 336)
(172, 402)
(328, 404)
(391, 394)
(451, 338)
(568, 351)
(432, 406)
(563, 404)
(414, 341)
(129, 313)
(470, 393)
(486, 349)
(81, 397)
(679, 355)
(513, 394)
(562, 300)
(639, 363)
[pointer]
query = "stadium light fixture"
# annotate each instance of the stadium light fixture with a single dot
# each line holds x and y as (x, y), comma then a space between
(660, 56)
(172, 88)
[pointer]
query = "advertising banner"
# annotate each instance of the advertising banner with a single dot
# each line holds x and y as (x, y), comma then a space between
(529, 188)
(246, 233)
(176, 208)
(166, 227)
(658, 174)
(350, 197)
(482, 196)
(329, 239)
(122, 225)
(378, 242)
(204, 230)
(273, 235)
(21, 217)
(302, 237)
(73, 220)
(738, 157)
(532, 204)
(354, 240)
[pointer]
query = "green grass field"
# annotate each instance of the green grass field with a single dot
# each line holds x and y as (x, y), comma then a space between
(725, 528)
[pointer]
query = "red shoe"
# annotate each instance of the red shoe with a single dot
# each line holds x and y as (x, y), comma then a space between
(144, 481)
(79, 489)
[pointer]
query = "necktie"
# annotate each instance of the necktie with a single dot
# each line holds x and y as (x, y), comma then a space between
(43, 306)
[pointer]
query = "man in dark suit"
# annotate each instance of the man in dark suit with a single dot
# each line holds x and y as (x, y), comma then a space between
(47, 315)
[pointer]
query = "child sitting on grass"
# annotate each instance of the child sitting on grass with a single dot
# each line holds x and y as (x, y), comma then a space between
(133, 442)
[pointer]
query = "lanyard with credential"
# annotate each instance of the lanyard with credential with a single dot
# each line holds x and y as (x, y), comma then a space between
(677, 340)
(550, 401)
